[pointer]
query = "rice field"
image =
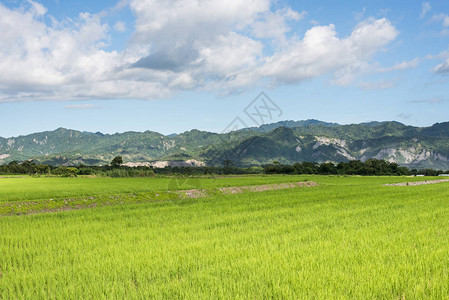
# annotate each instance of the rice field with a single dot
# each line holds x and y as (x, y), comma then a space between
(348, 237)
(39, 188)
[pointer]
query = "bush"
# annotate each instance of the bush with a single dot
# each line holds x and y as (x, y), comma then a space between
(128, 172)
(66, 171)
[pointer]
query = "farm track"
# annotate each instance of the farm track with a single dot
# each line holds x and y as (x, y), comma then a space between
(55, 205)
(414, 183)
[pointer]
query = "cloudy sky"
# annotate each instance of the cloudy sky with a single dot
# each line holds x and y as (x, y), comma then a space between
(174, 65)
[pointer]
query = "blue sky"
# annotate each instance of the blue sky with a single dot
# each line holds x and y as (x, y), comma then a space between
(171, 66)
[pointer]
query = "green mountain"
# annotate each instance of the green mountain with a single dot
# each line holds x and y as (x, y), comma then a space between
(290, 124)
(286, 142)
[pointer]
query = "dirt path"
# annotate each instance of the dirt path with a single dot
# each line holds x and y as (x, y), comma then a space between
(53, 205)
(197, 193)
(417, 182)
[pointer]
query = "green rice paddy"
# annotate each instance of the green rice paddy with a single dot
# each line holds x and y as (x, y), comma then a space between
(349, 237)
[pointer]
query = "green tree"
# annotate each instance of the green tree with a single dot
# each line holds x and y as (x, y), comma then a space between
(116, 162)
(228, 163)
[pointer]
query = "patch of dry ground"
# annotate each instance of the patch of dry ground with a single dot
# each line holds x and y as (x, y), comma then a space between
(417, 182)
(198, 193)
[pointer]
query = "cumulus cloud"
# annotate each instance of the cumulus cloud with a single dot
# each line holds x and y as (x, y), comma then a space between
(321, 51)
(36, 56)
(178, 31)
(274, 24)
(62, 61)
(176, 45)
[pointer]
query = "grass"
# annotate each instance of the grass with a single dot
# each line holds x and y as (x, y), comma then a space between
(39, 188)
(24, 188)
(350, 237)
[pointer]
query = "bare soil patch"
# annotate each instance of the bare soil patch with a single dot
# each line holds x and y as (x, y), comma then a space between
(199, 193)
(413, 183)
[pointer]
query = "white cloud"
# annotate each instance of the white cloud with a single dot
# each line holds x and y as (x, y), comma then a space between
(378, 85)
(231, 54)
(62, 61)
(177, 45)
(434, 100)
(120, 26)
(443, 18)
(274, 24)
(81, 106)
(174, 32)
(442, 68)
(402, 66)
(38, 56)
(359, 15)
(321, 51)
(346, 75)
(426, 7)
(187, 21)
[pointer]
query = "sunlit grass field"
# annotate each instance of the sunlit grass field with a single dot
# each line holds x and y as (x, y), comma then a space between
(23, 188)
(37, 188)
(349, 237)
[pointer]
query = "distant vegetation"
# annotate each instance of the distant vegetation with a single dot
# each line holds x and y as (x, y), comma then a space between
(112, 170)
(371, 167)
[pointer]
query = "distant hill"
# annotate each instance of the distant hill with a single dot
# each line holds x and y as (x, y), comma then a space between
(376, 123)
(285, 141)
(290, 124)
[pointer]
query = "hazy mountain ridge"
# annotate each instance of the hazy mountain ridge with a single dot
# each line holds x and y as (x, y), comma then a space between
(290, 124)
(310, 140)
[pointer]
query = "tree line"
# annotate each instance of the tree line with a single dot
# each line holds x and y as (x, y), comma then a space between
(371, 167)
(114, 169)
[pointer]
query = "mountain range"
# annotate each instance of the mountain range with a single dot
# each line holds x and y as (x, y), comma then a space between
(285, 141)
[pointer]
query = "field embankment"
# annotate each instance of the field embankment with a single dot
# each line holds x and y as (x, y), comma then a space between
(414, 183)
